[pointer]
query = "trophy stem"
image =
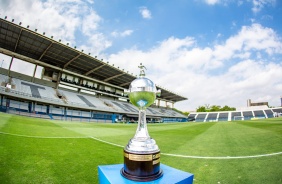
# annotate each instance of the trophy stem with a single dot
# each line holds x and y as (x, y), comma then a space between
(142, 131)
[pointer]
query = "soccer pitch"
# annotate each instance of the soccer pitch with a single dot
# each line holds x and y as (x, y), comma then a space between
(44, 151)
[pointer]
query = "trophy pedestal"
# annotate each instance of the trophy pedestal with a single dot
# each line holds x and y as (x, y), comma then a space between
(111, 174)
(141, 166)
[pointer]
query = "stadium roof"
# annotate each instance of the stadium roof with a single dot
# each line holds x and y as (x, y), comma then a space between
(16, 40)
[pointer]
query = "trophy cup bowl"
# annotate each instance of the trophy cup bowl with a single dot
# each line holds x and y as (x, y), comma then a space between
(142, 92)
(142, 154)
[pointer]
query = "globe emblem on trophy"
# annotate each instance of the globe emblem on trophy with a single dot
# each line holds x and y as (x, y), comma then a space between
(142, 154)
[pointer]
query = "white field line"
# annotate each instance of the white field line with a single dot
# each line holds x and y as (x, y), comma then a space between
(224, 157)
(106, 142)
(42, 137)
(166, 154)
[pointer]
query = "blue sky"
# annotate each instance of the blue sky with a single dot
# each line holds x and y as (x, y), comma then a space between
(217, 52)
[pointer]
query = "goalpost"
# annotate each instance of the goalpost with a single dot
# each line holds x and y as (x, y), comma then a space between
(238, 118)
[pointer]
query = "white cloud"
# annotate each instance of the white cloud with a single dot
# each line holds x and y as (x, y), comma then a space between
(257, 5)
(210, 75)
(146, 14)
(90, 23)
(125, 33)
(239, 3)
(5, 61)
(61, 19)
(254, 37)
(260, 4)
(96, 43)
(18, 66)
(212, 2)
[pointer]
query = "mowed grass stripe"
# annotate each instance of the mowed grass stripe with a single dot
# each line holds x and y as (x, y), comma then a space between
(29, 160)
(172, 140)
(33, 160)
(167, 154)
(21, 125)
(231, 139)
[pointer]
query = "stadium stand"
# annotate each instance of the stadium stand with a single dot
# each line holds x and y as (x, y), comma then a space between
(3, 80)
(201, 117)
(277, 110)
(247, 115)
(234, 115)
(63, 105)
(259, 114)
(269, 113)
(243, 114)
(223, 116)
(212, 117)
(191, 117)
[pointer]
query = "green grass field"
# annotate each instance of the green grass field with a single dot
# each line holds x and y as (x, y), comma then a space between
(44, 151)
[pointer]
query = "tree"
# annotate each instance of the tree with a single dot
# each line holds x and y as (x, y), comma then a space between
(227, 108)
(184, 113)
(215, 108)
(202, 109)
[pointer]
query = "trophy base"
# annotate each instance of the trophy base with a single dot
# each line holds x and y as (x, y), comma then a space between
(141, 178)
(142, 166)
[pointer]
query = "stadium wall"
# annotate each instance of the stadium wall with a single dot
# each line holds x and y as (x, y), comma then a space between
(246, 114)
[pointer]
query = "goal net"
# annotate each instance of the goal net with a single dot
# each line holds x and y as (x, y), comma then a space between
(238, 118)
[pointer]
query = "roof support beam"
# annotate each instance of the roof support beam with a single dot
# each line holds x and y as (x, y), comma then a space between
(45, 51)
(18, 40)
(40, 63)
(94, 69)
(115, 76)
(170, 96)
(124, 84)
(69, 62)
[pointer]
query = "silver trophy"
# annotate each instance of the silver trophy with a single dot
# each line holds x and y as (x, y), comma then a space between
(142, 154)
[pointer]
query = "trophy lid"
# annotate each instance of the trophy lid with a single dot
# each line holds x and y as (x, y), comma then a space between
(142, 91)
(142, 83)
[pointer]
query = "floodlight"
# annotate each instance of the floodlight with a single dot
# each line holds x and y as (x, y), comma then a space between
(20, 23)
(12, 20)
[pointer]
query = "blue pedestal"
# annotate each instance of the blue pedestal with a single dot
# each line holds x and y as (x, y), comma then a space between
(111, 174)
